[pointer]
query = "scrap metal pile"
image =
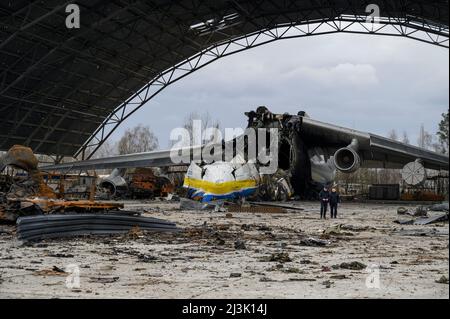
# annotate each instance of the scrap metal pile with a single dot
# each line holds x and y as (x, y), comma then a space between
(16, 201)
(30, 195)
(41, 213)
(420, 215)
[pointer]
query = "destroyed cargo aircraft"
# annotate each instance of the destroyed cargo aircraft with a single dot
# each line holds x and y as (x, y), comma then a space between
(308, 151)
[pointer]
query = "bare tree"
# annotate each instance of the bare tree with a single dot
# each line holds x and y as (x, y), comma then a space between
(206, 122)
(107, 149)
(405, 138)
(443, 134)
(428, 141)
(393, 135)
(136, 140)
(425, 139)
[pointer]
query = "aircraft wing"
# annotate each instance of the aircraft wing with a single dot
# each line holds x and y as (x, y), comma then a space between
(375, 151)
(145, 159)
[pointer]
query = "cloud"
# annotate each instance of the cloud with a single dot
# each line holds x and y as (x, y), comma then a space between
(370, 83)
(340, 76)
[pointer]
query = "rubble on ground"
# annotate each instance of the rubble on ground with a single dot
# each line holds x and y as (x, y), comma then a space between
(278, 257)
(423, 220)
(442, 280)
(415, 212)
(354, 265)
(210, 248)
(314, 242)
(442, 207)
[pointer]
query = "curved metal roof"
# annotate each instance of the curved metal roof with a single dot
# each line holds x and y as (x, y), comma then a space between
(60, 88)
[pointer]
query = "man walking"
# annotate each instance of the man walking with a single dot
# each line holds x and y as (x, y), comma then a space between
(324, 197)
(334, 201)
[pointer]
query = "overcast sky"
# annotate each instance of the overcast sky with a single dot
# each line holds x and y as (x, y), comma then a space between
(369, 83)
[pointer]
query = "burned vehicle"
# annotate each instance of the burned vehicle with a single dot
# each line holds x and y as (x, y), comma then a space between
(136, 183)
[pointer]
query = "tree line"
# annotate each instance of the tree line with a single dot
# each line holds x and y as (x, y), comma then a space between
(435, 142)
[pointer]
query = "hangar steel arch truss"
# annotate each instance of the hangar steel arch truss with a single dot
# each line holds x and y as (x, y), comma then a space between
(423, 31)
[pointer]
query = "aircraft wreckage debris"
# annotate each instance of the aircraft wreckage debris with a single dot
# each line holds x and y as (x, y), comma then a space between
(421, 214)
(314, 242)
(32, 196)
(354, 265)
(252, 208)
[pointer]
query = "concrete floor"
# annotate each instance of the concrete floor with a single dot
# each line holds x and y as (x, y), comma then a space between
(202, 261)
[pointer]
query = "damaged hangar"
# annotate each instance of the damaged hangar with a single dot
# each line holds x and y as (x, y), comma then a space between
(64, 91)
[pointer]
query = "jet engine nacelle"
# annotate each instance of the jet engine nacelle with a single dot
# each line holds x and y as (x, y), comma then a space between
(115, 183)
(347, 159)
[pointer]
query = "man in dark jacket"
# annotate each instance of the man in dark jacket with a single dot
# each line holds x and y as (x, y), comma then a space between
(334, 201)
(324, 197)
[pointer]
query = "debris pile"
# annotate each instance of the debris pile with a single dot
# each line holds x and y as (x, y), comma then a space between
(15, 201)
(420, 214)
(54, 271)
(418, 211)
(354, 265)
(276, 187)
(41, 214)
(22, 157)
(253, 208)
(442, 207)
(314, 242)
(442, 280)
(278, 257)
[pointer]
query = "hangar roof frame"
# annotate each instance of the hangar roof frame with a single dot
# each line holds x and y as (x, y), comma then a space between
(64, 91)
